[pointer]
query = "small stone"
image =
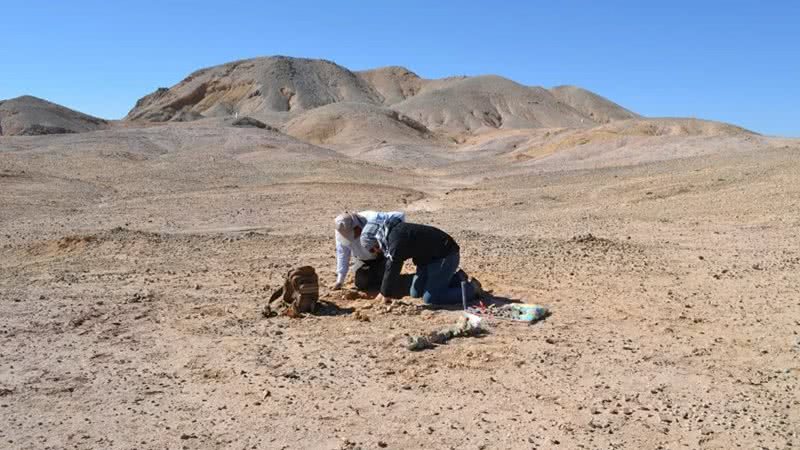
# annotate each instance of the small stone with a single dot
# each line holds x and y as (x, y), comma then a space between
(361, 316)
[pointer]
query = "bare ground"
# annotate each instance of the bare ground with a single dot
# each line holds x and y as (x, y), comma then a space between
(133, 274)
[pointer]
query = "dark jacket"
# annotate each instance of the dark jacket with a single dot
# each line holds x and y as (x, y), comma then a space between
(422, 243)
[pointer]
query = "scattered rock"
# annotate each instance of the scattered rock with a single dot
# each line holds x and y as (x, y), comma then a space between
(141, 297)
(361, 316)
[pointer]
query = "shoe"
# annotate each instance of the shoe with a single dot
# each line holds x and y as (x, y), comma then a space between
(461, 275)
(476, 285)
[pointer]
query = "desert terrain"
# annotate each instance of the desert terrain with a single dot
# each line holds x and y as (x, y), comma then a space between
(136, 257)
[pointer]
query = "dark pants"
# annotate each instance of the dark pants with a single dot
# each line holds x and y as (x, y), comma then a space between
(438, 284)
(369, 274)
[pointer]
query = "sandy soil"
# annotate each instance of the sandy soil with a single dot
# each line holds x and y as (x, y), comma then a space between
(134, 265)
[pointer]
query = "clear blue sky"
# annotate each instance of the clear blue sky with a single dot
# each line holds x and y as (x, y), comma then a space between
(732, 61)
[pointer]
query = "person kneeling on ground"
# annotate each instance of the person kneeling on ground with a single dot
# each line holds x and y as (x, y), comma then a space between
(434, 252)
(368, 268)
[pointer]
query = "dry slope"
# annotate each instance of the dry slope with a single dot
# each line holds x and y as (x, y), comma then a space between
(479, 104)
(276, 84)
(394, 83)
(598, 108)
(354, 123)
(28, 115)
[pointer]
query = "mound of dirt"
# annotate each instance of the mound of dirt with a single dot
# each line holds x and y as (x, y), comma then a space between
(357, 123)
(252, 86)
(31, 116)
(480, 104)
(393, 83)
(588, 103)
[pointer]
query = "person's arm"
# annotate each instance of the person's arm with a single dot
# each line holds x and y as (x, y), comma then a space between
(391, 277)
(399, 214)
(342, 262)
(395, 257)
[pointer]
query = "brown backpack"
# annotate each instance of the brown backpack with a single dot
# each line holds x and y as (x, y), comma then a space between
(300, 293)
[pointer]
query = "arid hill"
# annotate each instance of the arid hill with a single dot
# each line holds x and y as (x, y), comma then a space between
(256, 87)
(477, 104)
(28, 116)
(278, 89)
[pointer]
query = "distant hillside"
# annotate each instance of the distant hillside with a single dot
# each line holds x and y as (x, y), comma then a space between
(394, 83)
(262, 85)
(279, 89)
(477, 104)
(592, 105)
(28, 116)
(356, 123)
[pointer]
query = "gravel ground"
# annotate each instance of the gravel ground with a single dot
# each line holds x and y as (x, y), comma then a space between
(134, 265)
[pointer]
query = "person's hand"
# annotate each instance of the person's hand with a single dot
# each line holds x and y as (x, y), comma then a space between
(336, 286)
